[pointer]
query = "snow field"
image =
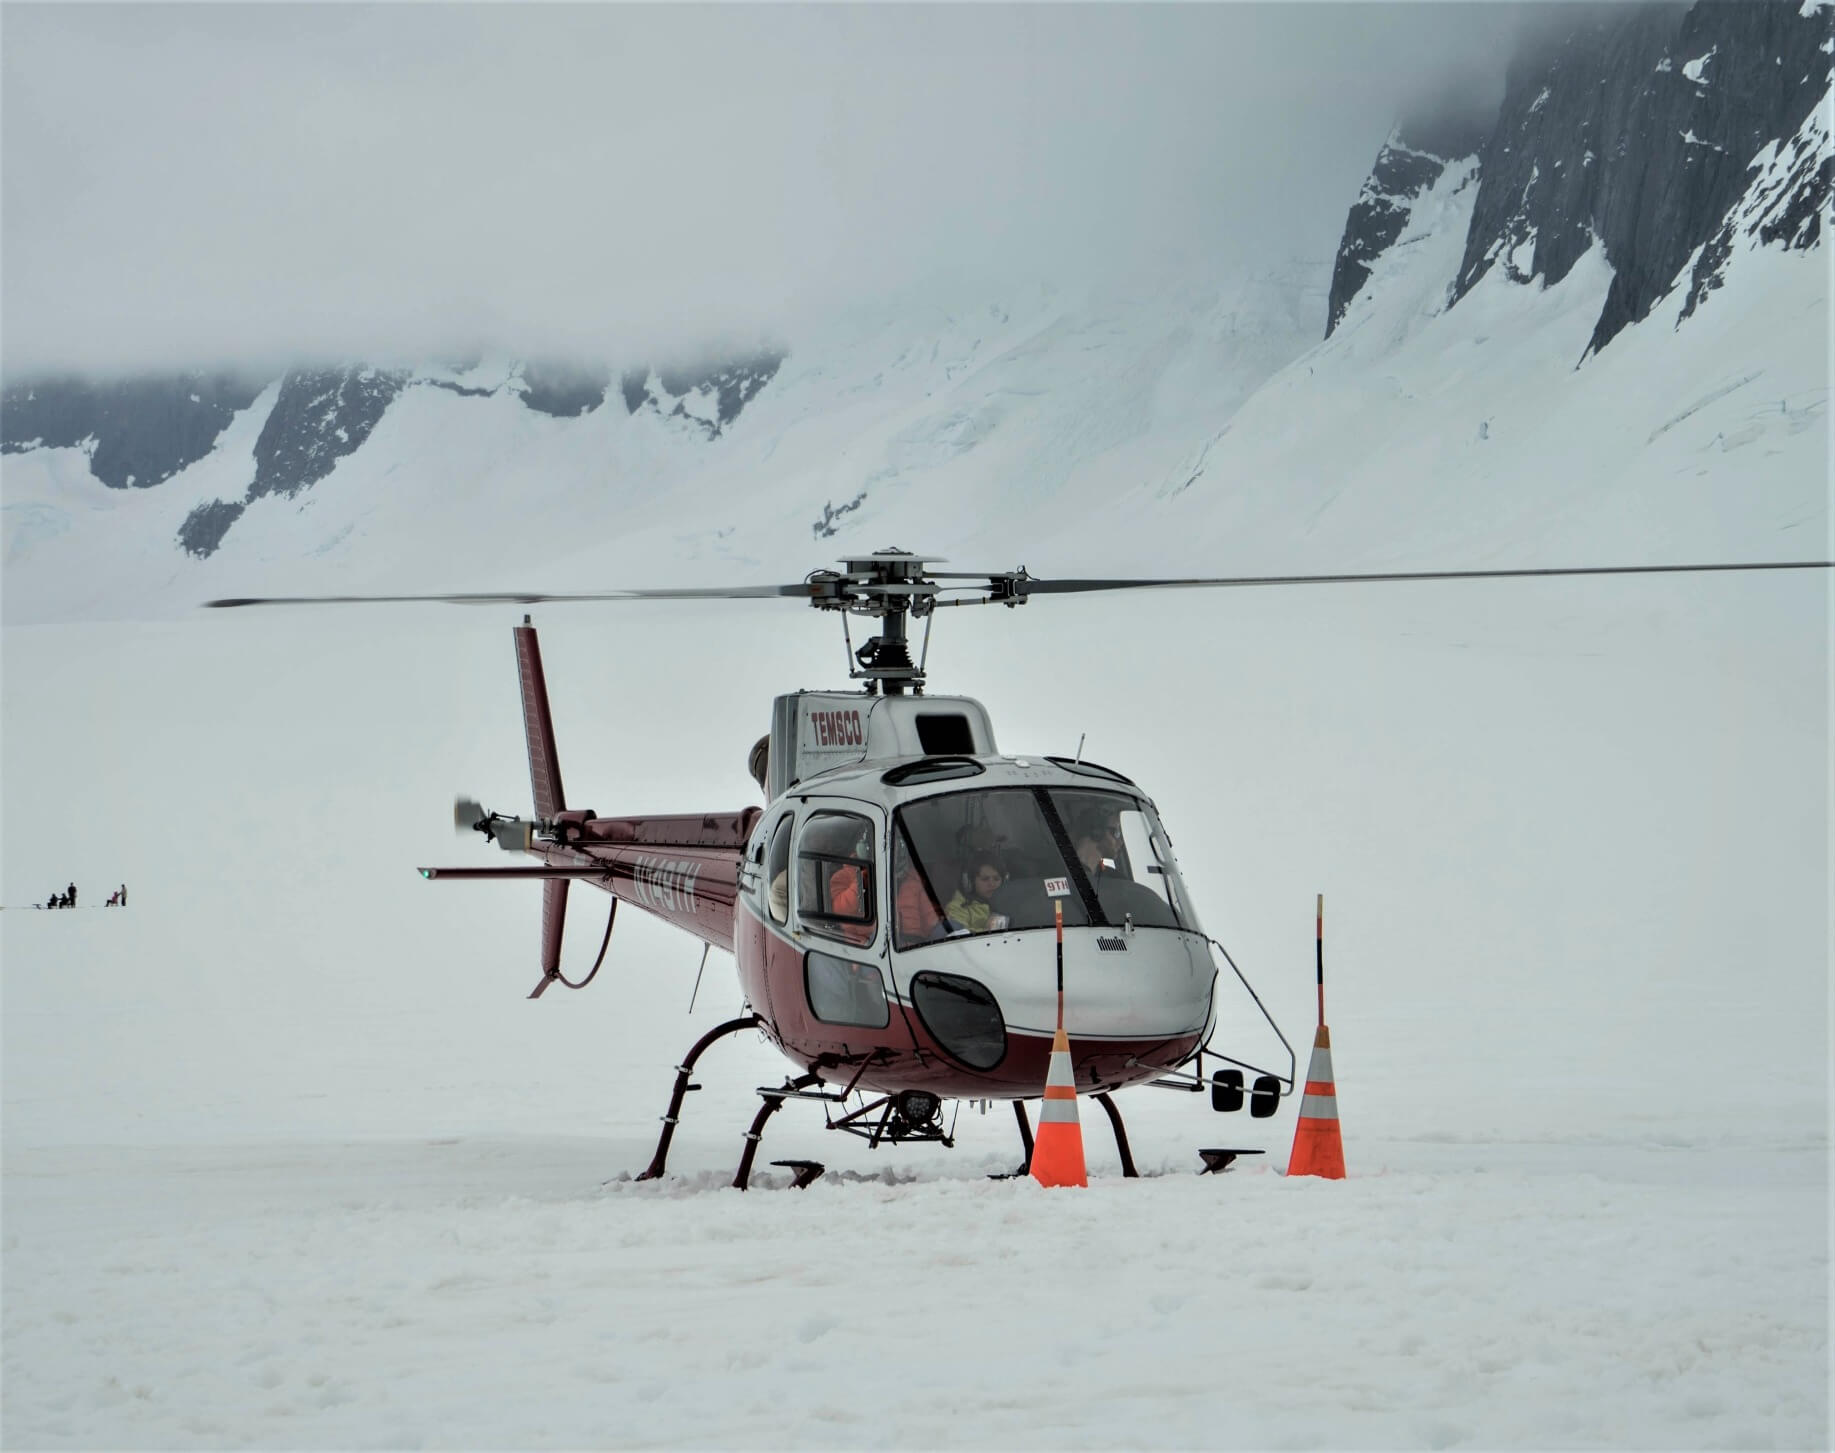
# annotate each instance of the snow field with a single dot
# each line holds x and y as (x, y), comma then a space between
(490, 1294)
(289, 1162)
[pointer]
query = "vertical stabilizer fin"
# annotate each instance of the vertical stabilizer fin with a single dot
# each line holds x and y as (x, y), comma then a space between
(538, 726)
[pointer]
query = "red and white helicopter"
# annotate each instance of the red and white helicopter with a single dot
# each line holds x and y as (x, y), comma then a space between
(892, 907)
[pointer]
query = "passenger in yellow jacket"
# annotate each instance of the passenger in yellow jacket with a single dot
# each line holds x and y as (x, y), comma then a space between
(971, 910)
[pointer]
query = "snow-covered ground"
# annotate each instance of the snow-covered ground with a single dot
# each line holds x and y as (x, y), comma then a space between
(289, 1161)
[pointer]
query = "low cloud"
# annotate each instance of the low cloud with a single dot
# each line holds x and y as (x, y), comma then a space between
(204, 183)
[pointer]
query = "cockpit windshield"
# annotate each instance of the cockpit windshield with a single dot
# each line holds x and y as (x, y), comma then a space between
(995, 860)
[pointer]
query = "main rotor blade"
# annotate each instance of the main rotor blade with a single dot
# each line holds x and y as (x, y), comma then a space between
(717, 592)
(1029, 586)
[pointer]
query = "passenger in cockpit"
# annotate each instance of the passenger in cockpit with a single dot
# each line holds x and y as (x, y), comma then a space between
(972, 909)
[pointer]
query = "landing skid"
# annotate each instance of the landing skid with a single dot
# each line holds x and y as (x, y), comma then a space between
(908, 1117)
(683, 1075)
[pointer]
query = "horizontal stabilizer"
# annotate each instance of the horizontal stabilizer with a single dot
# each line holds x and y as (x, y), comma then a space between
(507, 873)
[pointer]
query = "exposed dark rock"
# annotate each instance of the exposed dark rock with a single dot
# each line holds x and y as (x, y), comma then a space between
(460, 389)
(320, 416)
(565, 390)
(733, 384)
(1787, 195)
(206, 525)
(145, 430)
(636, 389)
(829, 524)
(1636, 130)
(1411, 160)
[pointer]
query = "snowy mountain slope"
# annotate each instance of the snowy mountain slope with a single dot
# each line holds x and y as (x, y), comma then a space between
(962, 419)
(1451, 412)
(1473, 432)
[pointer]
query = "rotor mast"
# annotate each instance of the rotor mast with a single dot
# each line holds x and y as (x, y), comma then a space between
(891, 587)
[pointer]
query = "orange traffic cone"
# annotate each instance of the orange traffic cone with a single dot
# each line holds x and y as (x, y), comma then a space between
(1317, 1149)
(1057, 1153)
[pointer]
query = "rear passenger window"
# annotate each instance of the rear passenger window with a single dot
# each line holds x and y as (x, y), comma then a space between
(836, 880)
(777, 873)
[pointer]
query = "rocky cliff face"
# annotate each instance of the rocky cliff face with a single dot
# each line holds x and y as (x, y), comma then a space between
(139, 432)
(1638, 132)
(1411, 160)
(1788, 193)
(1641, 129)
(320, 416)
(564, 390)
(708, 397)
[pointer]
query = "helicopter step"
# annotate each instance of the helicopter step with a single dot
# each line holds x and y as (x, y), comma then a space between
(1219, 1159)
(803, 1172)
(1227, 1091)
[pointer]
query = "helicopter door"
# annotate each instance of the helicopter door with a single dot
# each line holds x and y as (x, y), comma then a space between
(836, 876)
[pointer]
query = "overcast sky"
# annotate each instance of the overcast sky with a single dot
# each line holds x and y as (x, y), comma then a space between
(202, 183)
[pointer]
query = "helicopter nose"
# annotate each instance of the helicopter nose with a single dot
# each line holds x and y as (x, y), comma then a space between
(1150, 984)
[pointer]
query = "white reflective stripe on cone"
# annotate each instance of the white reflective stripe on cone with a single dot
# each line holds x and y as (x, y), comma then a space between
(1059, 1072)
(1319, 1107)
(1058, 1112)
(1319, 1067)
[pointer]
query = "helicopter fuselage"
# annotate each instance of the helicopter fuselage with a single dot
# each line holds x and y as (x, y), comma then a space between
(850, 906)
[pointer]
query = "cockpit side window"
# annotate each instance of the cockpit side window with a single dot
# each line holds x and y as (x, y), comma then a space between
(836, 878)
(1124, 856)
(777, 872)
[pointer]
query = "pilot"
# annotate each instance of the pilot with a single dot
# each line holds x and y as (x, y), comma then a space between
(1098, 839)
(973, 908)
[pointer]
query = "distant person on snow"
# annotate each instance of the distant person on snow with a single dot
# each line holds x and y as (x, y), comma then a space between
(71, 895)
(122, 896)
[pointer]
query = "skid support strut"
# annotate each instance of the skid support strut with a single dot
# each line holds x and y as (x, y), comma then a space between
(1025, 1137)
(773, 1102)
(683, 1072)
(1121, 1135)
